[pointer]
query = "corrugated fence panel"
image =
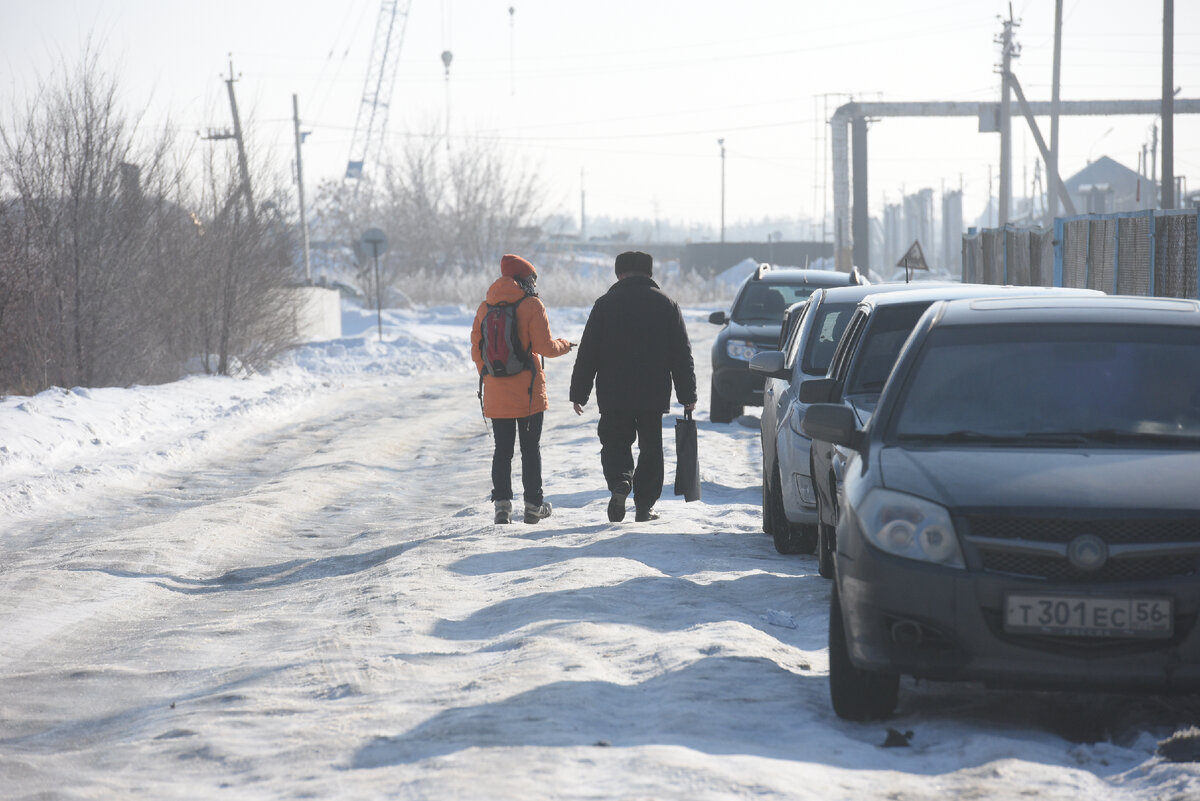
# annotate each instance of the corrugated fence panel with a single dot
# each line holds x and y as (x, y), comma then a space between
(1134, 256)
(1017, 251)
(1101, 242)
(1042, 263)
(1175, 256)
(1075, 251)
(993, 258)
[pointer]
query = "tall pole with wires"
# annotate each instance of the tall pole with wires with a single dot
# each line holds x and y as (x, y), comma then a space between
(512, 46)
(721, 142)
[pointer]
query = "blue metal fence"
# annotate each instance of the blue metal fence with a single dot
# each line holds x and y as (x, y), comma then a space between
(1129, 253)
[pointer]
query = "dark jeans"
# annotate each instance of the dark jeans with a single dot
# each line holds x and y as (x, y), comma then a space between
(505, 431)
(618, 430)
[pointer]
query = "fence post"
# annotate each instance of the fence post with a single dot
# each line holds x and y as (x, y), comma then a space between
(1059, 233)
(1004, 250)
(1150, 290)
(1116, 254)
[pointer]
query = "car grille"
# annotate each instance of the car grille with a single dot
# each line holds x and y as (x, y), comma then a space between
(1131, 531)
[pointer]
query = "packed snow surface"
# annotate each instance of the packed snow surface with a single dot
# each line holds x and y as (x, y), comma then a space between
(288, 585)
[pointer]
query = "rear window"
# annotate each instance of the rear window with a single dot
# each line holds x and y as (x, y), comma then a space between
(1106, 380)
(763, 303)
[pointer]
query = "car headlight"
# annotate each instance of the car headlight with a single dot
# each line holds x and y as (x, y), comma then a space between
(912, 527)
(739, 349)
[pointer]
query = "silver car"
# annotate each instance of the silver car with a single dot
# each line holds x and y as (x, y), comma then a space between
(810, 336)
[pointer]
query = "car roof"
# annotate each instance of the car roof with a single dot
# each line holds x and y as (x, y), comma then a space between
(960, 291)
(1107, 309)
(855, 293)
(798, 275)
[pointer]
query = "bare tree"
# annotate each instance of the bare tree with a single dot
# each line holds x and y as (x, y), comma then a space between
(107, 256)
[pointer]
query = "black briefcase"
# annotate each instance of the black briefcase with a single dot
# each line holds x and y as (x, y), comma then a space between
(687, 467)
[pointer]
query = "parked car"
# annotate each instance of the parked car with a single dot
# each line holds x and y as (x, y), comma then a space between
(753, 324)
(810, 335)
(1021, 509)
(860, 366)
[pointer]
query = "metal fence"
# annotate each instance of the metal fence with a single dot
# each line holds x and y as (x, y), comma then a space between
(1133, 253)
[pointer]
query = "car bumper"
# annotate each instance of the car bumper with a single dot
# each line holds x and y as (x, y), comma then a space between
(912, 618)
(736, 384)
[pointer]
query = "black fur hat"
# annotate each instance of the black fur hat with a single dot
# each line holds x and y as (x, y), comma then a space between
(635, 261)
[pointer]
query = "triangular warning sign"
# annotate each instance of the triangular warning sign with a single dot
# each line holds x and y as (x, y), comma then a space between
(914, 259)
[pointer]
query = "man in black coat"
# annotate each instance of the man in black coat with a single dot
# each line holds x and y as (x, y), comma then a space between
(634, 346)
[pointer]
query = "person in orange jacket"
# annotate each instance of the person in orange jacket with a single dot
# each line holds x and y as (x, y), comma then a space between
(516, 403)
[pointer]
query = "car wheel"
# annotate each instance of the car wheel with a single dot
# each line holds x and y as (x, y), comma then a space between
(721, 410)
(826, 543)
(769, 521)
(856, 694)
(789, 537)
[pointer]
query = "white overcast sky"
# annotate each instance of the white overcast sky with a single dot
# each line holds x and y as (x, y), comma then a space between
(630, 96)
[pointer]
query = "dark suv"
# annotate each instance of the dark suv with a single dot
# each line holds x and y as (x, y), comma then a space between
(753, 324)
(1021, 509)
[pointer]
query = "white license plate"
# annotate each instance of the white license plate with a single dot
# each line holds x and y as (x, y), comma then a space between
(1079, 616)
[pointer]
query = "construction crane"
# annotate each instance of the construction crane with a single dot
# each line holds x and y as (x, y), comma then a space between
(372, 119)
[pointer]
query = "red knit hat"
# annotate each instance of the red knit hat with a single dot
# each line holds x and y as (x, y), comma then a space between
(515, 266)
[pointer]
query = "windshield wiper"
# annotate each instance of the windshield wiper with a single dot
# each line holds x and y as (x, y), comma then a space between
(1112, 436)
(962, 435)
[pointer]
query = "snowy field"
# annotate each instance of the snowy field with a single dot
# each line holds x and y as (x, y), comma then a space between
(289, 586)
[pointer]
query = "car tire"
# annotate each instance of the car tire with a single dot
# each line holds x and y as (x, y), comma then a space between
(856, 694)
(826, 543)
(721, 410)
(789, 537)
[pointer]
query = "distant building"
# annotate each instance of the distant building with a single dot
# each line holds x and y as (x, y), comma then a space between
(1106, 186)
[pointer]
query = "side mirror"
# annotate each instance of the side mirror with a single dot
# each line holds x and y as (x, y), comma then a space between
(770, 364)
(820, 390)
(718, 318)
(832, 422)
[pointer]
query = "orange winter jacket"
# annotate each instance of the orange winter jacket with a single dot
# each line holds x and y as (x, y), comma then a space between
(510, 396)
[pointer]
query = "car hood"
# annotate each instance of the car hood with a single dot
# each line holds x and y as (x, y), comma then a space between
(755, 333)
(1069, 477)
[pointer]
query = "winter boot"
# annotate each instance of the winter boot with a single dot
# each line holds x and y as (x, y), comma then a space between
(616, 504)
(503, 511)
(537, 511)
(645, 515)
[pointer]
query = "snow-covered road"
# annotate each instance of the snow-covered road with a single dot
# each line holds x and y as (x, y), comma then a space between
(300, 594)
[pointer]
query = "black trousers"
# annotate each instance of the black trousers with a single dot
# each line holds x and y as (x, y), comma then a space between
(506, 431)
(618, 430)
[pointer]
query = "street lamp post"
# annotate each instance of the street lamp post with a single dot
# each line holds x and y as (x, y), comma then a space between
(721, 142)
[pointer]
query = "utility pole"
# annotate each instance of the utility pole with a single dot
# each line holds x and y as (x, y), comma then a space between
(1009, 50)
(1052, 167)
(721, 142)
(243, 164)
(300, 189)
(1168, 105)
(582, 207)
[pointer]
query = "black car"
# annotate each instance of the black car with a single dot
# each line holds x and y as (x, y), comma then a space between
(861, 364)
(1021, 509)
(753, 324)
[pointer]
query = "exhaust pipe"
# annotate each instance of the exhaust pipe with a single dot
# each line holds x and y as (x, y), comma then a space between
(907, 632)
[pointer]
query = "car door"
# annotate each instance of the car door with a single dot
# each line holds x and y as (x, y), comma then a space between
(823, 453)
(775, 389)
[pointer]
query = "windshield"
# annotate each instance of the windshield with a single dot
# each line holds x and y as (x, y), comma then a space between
(762, 303)
(1064, 384)
(823, 337)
